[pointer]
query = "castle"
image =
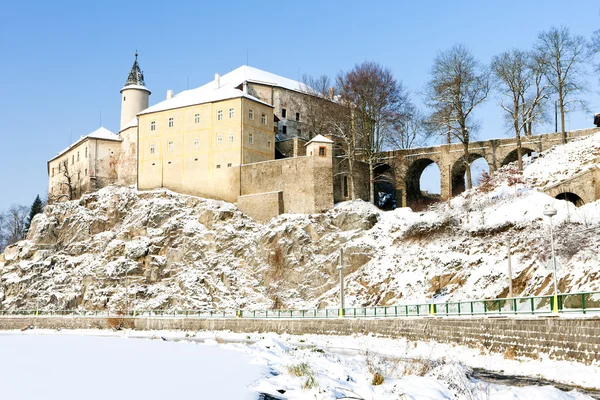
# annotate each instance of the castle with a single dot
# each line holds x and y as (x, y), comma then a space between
(237, 138)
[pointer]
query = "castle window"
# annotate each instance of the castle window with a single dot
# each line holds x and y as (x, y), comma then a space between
(86, 172)
(229, 165)
(230, 137)
(153, 125)
(299, 132)
(218, 166)
(250, 138)
(197, 118)
(283, 113)
(79, 176)
(219, 139)
(297, 116)
(264, 119)
(322, 151)
(231, 112)
(52, 171)
(73, 159)
(86, 152)
(152, 148)
(284, 129)
(269, 144)
(124, 98)
(196, 142)
(171, 122)
(250, 114)
(170, 146)
(219, 115)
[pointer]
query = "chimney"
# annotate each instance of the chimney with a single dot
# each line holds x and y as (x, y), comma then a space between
(331, 93)
(169, 94)
(245, 87)
(217, 80)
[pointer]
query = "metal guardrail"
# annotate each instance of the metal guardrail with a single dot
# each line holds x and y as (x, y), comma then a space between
(567, 303)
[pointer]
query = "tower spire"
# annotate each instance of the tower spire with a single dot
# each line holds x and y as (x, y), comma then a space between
(136, 76)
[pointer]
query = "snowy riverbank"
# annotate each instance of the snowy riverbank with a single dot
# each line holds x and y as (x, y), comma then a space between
(225, 365)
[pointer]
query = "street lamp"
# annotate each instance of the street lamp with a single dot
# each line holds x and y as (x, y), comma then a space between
(340, 268)
(550, 212)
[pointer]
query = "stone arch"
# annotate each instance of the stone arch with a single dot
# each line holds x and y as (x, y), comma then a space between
(572, 197)
(512, 156)
(458, 172)
(385, 181)
(415, 198)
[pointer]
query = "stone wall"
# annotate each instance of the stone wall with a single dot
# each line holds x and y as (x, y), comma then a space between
(262, 206)
(306, 182)
(562, 338)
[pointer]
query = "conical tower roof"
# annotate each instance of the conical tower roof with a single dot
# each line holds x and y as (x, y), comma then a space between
(136, 76)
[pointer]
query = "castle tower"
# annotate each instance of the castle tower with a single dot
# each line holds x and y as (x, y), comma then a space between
(134, 95)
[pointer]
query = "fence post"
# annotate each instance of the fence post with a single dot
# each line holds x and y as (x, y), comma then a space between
(583, 302)
(532, 306)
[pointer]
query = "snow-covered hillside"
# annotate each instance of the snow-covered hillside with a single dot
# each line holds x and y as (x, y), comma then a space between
(159, 249)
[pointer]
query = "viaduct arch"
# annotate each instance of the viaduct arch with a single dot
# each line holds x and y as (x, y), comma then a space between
(407, 165)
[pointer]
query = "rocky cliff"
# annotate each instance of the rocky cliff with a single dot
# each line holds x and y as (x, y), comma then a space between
(120, 248)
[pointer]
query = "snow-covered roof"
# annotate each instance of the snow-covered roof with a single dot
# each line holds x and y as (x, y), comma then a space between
(139, 87)
(130, 124)
(100, 133)
(227, 89)
(319, 139)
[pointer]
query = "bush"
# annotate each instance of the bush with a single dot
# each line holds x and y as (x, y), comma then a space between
(301, 369)
(377, 379)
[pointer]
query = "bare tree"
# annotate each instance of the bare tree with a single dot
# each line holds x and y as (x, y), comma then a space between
(411, 130)
(563, 55)
(458, 84)
(68, 186)
(340, 122)
(14, 224)
(377, 102)
(518, 79)
(317, 104)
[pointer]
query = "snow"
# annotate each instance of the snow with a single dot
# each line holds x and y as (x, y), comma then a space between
(139, 87)
(563, 161)
(70, 367)
(319, 139)
(100, 133)
(240, 366)
(227, 89)
(131, 124)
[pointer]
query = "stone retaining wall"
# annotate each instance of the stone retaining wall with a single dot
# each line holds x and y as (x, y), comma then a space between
(563, 338)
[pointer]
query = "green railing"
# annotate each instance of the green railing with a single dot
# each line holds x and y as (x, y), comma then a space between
(568, 303)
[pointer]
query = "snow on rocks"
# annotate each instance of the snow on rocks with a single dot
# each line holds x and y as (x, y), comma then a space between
(159, 249)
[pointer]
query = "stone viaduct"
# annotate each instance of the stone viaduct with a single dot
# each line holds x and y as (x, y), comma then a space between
(404, 167)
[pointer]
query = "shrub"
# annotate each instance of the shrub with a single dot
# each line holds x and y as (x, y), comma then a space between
(301, 369)
(377, 379)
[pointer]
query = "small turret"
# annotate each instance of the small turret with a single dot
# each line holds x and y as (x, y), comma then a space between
(134, 95)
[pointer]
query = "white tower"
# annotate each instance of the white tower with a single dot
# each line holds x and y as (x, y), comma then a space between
(134, 95)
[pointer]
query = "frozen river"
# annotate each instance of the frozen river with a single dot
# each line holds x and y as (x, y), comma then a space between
(66, 367)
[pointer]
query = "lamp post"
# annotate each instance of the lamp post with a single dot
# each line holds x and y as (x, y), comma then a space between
(550, 212)
(340, 267)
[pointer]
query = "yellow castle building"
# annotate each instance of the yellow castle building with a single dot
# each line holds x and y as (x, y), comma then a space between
(237, 138)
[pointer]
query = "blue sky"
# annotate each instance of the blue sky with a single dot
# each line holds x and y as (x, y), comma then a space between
(64, 62)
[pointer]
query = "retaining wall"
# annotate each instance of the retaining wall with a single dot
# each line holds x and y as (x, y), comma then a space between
(576, 339)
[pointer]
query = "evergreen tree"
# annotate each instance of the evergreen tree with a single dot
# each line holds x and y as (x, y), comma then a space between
(36, 208)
